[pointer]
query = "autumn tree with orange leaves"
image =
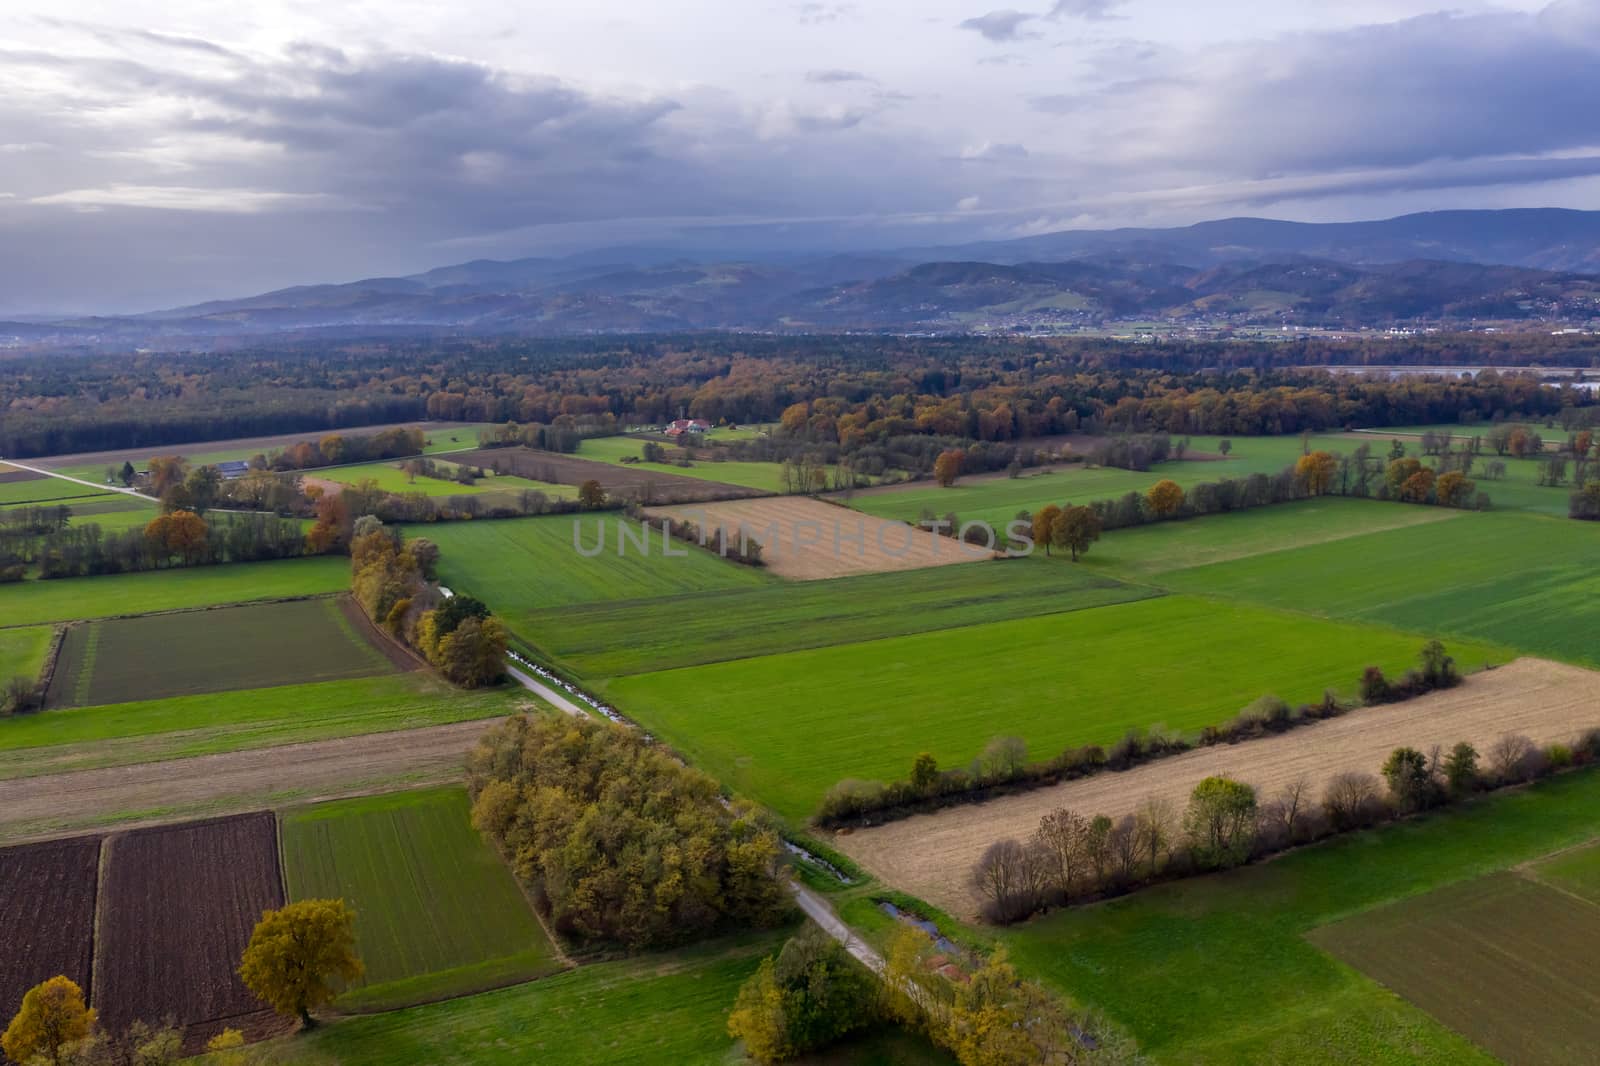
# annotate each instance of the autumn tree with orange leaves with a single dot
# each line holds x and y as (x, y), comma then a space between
(1164, 498)
(181, 534)
(1316, 471)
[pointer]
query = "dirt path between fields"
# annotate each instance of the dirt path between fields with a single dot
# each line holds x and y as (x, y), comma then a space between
(932, 855)
(178, 789)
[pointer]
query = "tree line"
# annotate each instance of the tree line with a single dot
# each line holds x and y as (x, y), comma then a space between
(616, 839)
(177, 539)
(1073, 856)
(1004, 766)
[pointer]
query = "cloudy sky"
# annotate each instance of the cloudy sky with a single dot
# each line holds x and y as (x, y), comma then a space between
(156, 152)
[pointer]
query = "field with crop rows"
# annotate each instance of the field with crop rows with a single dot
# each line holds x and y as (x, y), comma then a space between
(65, 599)
(1576, 871)
(178, 907)
(784, 728)
(772, 618)
(186, 653)
(439, 913)
(47, 906)
(1503, 959)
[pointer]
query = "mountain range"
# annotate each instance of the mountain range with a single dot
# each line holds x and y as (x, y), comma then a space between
(1448, 267)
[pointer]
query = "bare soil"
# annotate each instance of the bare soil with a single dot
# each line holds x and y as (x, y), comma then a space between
(931, 855)
(54, 804)
(10, 475)
(647, 486)
(47, 902)
(137, 456)
(805, 539)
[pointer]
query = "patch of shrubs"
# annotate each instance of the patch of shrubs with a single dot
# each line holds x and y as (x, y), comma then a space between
(1073, 857)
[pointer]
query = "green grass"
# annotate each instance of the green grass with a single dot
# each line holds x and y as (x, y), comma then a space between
(666, 1008)
(1503, 959)
(65, 599)
(124, 733)
(46, 490)
(522, 565)
(438, 914)
(1145, 551)
(1525, 581)
(23, 651)
(764, 476)
(391, 478)
(1576, 871)
(222, 650)
(1218, 969)
(740, 623)
(784, 728)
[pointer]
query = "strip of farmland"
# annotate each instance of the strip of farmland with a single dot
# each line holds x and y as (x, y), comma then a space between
(932, 855)
(180, 903)
(47, 901)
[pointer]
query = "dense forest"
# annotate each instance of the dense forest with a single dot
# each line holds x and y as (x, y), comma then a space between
(853, 388)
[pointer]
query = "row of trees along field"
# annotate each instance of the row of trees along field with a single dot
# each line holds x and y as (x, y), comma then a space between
(1074, 857)
(300, 957)
(41, 538)
(812, 994)
(1004, 767)
(393, 580)
(619, 841)
(850, 388)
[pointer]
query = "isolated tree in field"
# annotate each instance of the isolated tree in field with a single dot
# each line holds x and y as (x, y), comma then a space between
(1315, 472)
(1461, 769)
(1164, 498)
(52, 1018)
(1043, 523)
(1410, 782)
(591, 496)
(1075, 529)
(301, 955)
(1224, 445)
(127, 474)
(924, 772)
(1220, 821)
(947, 467)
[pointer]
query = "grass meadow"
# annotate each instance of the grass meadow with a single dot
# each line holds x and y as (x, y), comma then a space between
(522, 565)
(391, 478)
(772, 618)
(47, 490)
(1219, 968)
(659, 1008)
(438, 912)
(1530, 582)
(767, 477)
(23, 650)
(784, 728)
(222, 650)
(150, 730)
(66, 599)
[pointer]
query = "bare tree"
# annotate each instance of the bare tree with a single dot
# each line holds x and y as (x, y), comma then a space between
(1293, 801)
(1060, 841)
(1008, 877)
(1351, 799)
(1157, 823)
(1511, 757)
(1123, 844)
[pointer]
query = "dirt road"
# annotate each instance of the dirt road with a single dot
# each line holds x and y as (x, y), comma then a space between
(932, 855)
(35, 807)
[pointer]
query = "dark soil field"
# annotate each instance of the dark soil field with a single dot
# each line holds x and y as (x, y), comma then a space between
(10, 474)
(179, 905)
(47, 899)
(218, 650)
(1504, 960)
(648, 486)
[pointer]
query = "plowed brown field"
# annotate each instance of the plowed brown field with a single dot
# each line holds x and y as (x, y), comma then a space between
(47, 894)
(932, 855)
(806, 539)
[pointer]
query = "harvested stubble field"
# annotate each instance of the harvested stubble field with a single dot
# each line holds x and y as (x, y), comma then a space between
(219, 650)
(47, 902)
(439, 914)
(806, 540)
(1503, 959)
(178, 907)
(646, 485)
(931, 855)
(785, 728)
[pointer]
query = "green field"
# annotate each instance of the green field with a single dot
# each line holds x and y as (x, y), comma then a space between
(1218, 969)
(767, 477)
(522, 565)
(23, 650)
(765, 620)
(49, 490)
(1525, 581)
(667, 1008)
(784, 728)
(224, 649)
(1576, 871)
(65, 599)
(391, 478)
(1502, 959)
(124, 733)
(438, 914)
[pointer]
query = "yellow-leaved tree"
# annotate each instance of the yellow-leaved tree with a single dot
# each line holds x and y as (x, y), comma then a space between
(301, 955)
(53, 1018)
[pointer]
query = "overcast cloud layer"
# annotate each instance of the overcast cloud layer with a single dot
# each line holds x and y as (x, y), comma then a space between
(156, 152)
